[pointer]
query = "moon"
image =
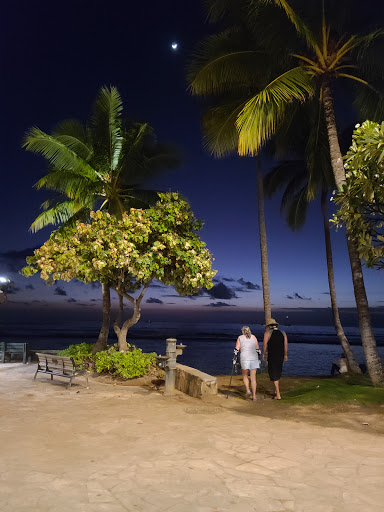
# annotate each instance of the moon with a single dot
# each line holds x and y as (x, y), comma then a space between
(174, 46)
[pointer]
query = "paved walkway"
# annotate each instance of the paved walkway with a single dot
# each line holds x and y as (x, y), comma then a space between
(121, 449)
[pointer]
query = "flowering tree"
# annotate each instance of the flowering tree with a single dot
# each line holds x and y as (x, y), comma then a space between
(361, 199)
(159, 243)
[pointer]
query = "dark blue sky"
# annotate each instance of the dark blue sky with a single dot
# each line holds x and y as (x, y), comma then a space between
(55, 60)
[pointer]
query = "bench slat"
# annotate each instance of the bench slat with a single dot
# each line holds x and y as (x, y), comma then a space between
(62, 366)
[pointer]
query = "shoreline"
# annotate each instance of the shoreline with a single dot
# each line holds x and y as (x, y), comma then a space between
(87, 338)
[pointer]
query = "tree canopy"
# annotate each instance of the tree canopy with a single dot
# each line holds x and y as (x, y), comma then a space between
(100, 165)
(160, 243)
(361, 199)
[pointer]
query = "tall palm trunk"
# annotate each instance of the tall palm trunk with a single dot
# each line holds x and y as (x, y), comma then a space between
(263, 243)
(102, 341)
(374, 365)
(353, 367)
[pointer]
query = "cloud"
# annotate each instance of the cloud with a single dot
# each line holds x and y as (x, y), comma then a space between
(95, 285)
(153, 300)
(200, 293)
(228, 279)
(59, 291)
(29, 287)
(297, 296)
(157, 285)
(326, 293)
(219, 305)
(221, 291)
(13, 261)
(9, 289)
(71, 299)
(248, 285)
(215, 280)
(95, 300)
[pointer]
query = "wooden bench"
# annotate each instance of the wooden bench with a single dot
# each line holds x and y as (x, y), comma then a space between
(9, 349)
(61, 366)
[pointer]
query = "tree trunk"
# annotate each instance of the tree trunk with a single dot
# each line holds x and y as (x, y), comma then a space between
(263, 243)
(121, 332)
(374, 365)
(102, 341)
(353, 367)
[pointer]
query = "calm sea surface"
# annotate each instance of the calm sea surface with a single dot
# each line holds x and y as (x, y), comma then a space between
(209, 346)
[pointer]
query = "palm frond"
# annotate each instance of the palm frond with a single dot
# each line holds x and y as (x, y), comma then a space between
(58, 154)
(106, 126)
(297, 210)
(257, 121)
(137, 198)
(317, 155)
(61, 213)
(221, 137)
(301, 27)
(73, 135)
(369, 100)
(216, 10)
(292, 176)
(281, 174)
(224, 61)
(369, 54)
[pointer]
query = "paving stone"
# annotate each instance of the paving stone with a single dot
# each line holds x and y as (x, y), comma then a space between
(115, 451)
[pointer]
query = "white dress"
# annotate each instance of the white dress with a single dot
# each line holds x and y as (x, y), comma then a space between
(249, 358)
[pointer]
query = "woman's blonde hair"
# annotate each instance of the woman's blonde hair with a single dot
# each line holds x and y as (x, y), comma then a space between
(246, 331)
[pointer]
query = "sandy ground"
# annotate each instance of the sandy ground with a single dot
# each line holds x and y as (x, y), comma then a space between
(128, 448)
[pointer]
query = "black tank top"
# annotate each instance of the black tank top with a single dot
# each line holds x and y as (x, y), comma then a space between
(276, 346)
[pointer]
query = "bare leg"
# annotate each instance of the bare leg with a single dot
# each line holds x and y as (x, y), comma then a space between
(253, 383)
(277, 389)
(246, 381)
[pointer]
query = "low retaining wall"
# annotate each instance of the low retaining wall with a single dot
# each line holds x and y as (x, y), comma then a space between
(193, 382)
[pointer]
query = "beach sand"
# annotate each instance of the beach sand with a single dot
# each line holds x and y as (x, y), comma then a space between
(129, 448)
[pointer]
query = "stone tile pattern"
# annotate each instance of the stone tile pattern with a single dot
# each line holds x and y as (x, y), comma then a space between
(115, 449)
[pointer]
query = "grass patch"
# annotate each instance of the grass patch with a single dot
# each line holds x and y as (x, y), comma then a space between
(336, 390)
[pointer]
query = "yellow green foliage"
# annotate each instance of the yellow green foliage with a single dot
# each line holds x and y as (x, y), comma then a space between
(158, 243)
(361, 199)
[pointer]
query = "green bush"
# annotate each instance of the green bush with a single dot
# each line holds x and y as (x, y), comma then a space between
(126, 365)
(80, 353)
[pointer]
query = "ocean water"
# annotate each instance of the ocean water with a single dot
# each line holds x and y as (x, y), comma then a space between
(209, 346)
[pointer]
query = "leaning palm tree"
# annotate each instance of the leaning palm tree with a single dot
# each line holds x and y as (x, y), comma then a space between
(293, 177)
(98, 166)
(302, 181)
(308, 62)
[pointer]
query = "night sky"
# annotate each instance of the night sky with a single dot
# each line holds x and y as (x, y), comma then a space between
(54, 61)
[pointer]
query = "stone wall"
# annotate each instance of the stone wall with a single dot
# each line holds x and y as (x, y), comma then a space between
(194, 382)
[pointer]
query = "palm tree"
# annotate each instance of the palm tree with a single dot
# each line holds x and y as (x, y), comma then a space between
(293, 176)
(98, 166)
(309, 62)
(220, 136)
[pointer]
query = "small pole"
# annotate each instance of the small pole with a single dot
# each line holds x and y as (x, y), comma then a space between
(170, 371)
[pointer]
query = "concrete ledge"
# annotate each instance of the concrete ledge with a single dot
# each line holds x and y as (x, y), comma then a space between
(193, 382)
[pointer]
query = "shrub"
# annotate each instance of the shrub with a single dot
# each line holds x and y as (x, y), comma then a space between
(80, 353)
(126, 365)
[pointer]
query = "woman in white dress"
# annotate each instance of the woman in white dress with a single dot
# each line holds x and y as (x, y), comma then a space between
(249, 358)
